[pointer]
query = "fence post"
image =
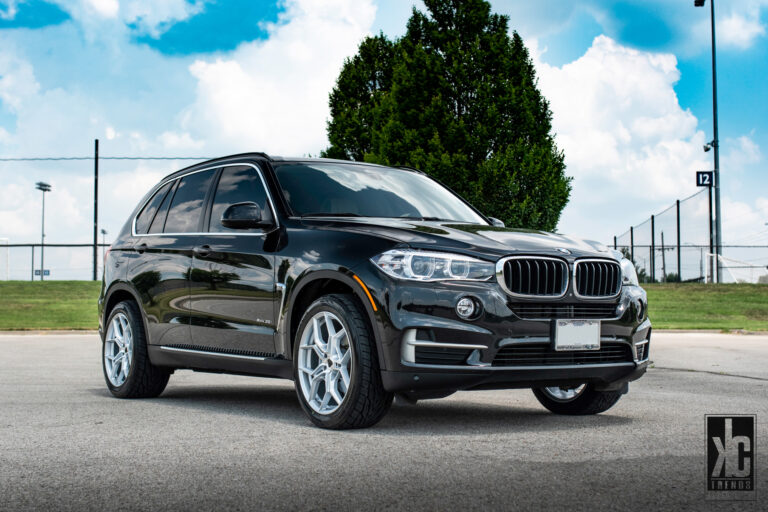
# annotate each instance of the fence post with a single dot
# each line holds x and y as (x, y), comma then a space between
(653, 248)
(95, 206)
(679, 271)
(615, 246)
(632, 243)
(32, 267)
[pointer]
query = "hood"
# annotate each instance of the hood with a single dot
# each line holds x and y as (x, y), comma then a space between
(473, 239)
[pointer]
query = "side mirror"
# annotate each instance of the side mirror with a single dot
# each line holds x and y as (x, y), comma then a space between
(496, 222)
(243, 216)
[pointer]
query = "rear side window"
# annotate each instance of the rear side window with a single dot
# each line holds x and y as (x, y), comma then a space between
(162, 212)
(187, 204)
(238, 184)
(144, 219)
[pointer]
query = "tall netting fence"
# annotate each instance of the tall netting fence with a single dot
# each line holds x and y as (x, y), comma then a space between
(675, 245)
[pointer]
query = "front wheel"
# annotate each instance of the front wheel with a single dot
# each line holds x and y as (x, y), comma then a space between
(336, 368)
(576, 400)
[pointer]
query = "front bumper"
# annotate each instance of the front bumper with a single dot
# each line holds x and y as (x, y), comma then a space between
(422, 317)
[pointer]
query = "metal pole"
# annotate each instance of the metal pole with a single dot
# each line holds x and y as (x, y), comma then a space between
(653, 249)
(32, 267)
(632, 243)
(716, 144)
(42, 243)
(679, 272)
(615, 245)
(711, 241)
(663, 260)
(95, 205)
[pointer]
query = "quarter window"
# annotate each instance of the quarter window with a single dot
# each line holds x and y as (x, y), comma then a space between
(187, 204)
(162, 212)
(144, 219)
(238, 184)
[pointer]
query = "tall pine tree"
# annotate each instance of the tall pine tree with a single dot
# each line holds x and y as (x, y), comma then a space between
(456, 97)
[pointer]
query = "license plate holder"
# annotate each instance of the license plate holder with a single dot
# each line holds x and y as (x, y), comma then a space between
(572, 335)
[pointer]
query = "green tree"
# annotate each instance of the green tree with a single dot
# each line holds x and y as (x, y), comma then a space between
(456, 97)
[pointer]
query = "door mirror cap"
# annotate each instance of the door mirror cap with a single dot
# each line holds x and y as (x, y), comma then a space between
(496, 222)
(243, 216)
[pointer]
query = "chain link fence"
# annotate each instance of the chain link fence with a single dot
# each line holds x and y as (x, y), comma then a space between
(676, 245)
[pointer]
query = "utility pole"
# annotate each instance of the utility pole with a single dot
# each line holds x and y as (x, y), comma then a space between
(43, 187)
(95, 206)
(715, 144)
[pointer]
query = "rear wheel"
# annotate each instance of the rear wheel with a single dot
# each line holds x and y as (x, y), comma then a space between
(125, 361)
(336, 367)
(576, 400)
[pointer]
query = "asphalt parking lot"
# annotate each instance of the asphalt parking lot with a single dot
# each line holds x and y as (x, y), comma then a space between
(214, 442)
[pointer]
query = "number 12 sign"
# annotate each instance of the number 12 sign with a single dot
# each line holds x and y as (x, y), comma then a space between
(705, 178)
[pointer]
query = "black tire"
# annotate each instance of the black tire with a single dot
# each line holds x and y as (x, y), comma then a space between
(366, 401)
(588, 401)
(144, 380)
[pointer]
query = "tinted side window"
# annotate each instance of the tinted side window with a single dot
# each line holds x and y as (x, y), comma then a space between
(144, 219)
(187, 204)
(162, 212)
(238, 184)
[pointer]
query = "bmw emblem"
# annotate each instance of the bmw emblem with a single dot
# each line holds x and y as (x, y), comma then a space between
(564, 251)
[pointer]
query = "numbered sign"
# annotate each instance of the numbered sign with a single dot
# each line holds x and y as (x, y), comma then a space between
(705, 178)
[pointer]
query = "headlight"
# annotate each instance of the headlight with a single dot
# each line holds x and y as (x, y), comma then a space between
(432, 266)
(628, 273)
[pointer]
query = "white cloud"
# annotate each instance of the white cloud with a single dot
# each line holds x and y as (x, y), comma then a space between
(154, 17)
(105, 8)
(742, 25)
(273, 95)
(9, 11)
(625, 137)
(17, 80)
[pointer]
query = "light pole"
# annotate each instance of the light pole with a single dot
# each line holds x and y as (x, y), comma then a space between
(715, 144)
(43, 187)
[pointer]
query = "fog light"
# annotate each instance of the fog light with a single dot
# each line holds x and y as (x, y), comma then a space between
(466, 308)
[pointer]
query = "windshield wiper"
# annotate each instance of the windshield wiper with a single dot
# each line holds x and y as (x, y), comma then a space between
(438, 219)
(331, 214)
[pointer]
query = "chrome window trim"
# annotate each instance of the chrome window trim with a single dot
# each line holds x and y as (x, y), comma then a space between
(500, 275)
(596, 260)
(209, 233)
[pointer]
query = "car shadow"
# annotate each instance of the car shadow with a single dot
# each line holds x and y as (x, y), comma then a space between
(459, 415)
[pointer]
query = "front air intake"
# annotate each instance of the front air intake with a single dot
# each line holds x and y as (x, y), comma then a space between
(534, 276)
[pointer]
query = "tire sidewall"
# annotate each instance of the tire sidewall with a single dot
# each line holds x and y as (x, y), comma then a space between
(334, 419)
(136, 326)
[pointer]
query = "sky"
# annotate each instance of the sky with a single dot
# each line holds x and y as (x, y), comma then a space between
(629, 85)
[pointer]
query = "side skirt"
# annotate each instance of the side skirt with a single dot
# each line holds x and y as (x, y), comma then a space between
(246, 363)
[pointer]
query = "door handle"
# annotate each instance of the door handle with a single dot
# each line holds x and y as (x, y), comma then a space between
(141, 248)
(202, 251)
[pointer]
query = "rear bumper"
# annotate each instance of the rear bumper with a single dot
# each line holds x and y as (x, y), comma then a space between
(456, 379)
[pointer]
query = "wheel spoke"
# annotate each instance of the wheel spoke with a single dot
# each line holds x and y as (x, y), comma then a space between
(334, 379)
(344, 378)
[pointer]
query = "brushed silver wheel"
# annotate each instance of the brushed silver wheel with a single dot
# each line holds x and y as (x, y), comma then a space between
(325, 362)
(564, 394)
(118, 350)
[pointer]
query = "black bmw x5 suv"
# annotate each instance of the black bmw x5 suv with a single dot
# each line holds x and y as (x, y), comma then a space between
(360, 282)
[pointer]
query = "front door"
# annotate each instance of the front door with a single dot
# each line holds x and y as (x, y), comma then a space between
(232, 283)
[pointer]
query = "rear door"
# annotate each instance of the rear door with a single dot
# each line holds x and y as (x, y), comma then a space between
(164, 256)
(232, 293)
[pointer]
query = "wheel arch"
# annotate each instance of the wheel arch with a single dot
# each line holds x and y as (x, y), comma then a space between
(314, 286)
(118, 293)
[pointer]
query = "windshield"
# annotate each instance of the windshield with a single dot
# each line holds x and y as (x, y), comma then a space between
(340, 189)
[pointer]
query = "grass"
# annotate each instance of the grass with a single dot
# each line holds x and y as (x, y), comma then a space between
(701, 306)
(26, 305)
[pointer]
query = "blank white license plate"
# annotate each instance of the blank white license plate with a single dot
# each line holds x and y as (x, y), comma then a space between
(577, 335)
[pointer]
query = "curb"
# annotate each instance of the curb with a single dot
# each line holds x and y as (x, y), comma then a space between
(48, 332)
